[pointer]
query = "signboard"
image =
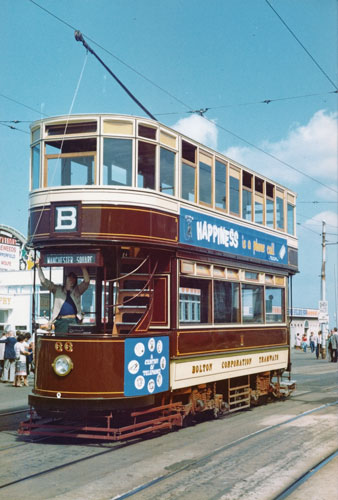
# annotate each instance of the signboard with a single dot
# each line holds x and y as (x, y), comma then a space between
(323, 316)
(9, 254)
(82, 259)
(208, 369)
(216, 234)
(146, 365)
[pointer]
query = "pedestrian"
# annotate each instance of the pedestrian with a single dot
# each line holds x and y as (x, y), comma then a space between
(319, 344)
(334, 345)
(29, 347)
(298, 341)
(312, 342)
(2, 353)
(304, 342)
(329, 346)
(20, 363)
(9, 364)
(67, 299)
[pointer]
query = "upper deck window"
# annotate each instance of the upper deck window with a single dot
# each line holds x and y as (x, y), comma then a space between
(247, 195)
(71, 128)
(220, 185)
(146, 165)
(188, 182)
(205, 183)
(280, 210)
(36, 153)
(117, 162)
(70, 163)
(36, 134)
(188, 152)
(234, 191)
(259, 214)
(259, 185)
(269, 209)
(167, 171)
(147, 132)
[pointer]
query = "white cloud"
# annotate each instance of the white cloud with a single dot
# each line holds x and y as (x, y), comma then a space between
(198, 128)
(311, 148)
(331, 219)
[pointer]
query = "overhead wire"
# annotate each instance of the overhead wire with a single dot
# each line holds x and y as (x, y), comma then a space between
(201, 110)
(271, 155)
(302, 45)
(14, 128)
(113, 55)
(252, 103)
(22, 104)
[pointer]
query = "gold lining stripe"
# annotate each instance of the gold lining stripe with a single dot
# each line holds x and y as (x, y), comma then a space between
(66, 339)
(243, 348)
(126, 235)
(245, 352)
(104, 207)
(70, 392)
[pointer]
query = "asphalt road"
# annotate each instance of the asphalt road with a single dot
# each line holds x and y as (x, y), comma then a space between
(249, 455)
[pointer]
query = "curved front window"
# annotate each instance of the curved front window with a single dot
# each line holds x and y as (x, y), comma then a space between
(36, 153)
(70, 163)
(117, 162)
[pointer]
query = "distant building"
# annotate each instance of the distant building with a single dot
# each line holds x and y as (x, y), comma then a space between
(303, 321)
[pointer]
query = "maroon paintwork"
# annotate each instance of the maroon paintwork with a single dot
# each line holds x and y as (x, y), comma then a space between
(222, 340)
(106, 222)
(86, 379)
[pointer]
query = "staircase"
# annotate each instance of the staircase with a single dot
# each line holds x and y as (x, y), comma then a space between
(134, 297)
(238, 396)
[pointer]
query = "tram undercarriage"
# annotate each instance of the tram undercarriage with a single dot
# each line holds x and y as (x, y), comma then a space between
(170, 410)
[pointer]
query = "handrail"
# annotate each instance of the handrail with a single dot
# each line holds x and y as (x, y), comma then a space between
(150, 306)
(131, 272)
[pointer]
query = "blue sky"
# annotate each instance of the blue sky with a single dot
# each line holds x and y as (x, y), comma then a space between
(180, 56)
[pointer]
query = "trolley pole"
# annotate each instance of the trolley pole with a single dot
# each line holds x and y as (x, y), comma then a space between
(323, 308)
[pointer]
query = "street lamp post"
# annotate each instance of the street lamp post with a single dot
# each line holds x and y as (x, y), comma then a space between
(323, 306)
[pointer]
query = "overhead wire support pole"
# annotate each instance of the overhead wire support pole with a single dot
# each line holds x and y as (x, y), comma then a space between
(79, 38)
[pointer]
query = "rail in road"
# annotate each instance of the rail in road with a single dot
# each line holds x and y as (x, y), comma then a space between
(252, 454)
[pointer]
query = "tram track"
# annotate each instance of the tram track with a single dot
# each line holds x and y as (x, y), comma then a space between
(202, 459)
(306, 476)
(186, 465)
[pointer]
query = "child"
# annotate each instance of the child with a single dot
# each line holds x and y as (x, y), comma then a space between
(20, 364)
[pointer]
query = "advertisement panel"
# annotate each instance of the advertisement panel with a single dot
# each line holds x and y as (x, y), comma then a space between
(146, 365)
(212, 233)
(9, 254)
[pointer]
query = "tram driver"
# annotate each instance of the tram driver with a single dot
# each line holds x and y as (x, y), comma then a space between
(67, 299)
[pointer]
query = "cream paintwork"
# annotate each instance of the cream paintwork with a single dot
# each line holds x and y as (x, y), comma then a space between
(213, 368)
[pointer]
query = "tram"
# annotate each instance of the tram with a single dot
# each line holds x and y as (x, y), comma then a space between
(190, 257)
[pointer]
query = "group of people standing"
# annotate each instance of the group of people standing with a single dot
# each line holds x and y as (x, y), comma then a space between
(16, 357)
(317, 345)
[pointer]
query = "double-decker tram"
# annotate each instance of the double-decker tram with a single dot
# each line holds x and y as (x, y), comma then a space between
(190, 257)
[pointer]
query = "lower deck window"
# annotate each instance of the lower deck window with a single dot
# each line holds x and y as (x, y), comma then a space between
(274, 301)
(226, 302)
(252, 304)
(194, 300)
(190, 305)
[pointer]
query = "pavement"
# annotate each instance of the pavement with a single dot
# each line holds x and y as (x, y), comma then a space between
(322, 485)
(14, 398)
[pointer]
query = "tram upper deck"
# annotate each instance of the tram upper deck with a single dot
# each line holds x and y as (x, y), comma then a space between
(89, 173)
